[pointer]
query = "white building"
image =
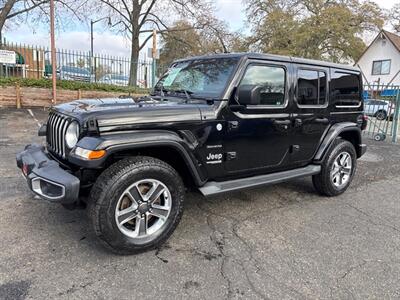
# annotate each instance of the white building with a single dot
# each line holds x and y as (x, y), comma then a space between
(380, 62)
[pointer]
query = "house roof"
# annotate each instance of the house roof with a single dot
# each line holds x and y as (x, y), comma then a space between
(392, 37)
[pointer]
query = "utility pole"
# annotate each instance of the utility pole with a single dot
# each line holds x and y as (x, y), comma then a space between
(92, 62)
(154, 56)
(91, 50)
(53, 52)
(91, 37)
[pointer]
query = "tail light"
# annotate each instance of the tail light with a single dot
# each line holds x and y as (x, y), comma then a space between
(364, 123)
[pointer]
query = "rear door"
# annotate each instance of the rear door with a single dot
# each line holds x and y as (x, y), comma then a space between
(311, 116)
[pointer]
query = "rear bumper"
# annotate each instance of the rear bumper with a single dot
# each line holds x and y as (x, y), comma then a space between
(45, 177)
(362, 148)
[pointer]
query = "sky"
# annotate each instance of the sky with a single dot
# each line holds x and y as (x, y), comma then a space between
(105, 41)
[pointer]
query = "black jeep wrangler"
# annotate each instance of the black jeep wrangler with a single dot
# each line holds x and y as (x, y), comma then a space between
(216, 124)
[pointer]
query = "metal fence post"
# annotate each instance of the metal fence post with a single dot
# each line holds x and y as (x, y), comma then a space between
(396, 117)
(153, 73)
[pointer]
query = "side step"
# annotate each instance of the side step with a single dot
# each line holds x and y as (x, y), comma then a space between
(213, 187)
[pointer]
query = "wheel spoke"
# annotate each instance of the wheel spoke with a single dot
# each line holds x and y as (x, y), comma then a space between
(135, 195)
(335, 172)
(343, 159)
(340, 179)
(141, 225)
(159, 211)
(155, 193)
(127, 214)
(347, 170)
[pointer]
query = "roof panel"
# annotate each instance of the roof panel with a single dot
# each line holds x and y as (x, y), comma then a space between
(264, 56)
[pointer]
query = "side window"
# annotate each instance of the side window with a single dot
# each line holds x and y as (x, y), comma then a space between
(311, 87)
(346, 89)
(271, 79)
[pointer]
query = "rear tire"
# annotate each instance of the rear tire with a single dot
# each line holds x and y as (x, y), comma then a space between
(136, 204)
(337, 169)
(381, 115)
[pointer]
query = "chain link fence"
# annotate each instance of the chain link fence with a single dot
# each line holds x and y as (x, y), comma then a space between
(34, 62)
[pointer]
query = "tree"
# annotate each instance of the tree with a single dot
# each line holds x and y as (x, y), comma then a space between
(137, 18)
(14, 9)
(184, 41)
(180, 43)
(319, 29)
(394, 16)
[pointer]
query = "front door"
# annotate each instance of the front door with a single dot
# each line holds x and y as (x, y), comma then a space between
(258, 136)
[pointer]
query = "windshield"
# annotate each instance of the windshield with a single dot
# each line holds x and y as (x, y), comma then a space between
(200, 78)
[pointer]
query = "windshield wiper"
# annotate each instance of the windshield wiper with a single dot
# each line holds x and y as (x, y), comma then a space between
(162, 91)
(186, 92)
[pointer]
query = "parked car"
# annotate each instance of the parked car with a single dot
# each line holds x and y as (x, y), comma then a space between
(74, 73)
(115, 79)
(214, 124)
(379, 109)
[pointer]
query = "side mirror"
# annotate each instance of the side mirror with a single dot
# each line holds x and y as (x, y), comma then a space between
(249, 94)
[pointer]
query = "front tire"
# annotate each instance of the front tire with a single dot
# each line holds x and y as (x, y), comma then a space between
(338, 169)
(136, 204)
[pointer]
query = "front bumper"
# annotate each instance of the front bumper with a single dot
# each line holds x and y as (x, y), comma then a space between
(45, 177)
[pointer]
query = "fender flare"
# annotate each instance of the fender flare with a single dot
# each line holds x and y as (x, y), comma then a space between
(138, 139)
(332, 133)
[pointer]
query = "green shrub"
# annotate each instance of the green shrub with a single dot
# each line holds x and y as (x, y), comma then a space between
(70, 85)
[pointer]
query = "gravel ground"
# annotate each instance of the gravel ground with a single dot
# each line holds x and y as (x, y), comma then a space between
(275, 242)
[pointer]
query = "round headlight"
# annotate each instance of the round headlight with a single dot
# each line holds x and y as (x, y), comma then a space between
(72, 134)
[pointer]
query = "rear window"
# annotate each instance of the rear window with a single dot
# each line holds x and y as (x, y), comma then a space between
(346, 89)
(311, 89)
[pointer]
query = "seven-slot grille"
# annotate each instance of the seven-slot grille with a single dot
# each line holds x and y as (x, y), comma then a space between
(56, 129)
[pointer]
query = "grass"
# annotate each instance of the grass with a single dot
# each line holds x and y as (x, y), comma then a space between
(70, 85)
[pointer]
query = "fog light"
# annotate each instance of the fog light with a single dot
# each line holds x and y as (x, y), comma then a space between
(89, 154)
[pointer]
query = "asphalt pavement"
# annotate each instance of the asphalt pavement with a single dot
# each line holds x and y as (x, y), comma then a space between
(274, 242)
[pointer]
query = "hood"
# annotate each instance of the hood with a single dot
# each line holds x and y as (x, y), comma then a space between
(118, 112)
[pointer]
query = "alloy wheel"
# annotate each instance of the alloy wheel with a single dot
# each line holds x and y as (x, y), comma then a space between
(143, 209)
(341, 169)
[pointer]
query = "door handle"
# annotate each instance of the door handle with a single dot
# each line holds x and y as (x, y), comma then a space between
(321, 120)
(282, 122)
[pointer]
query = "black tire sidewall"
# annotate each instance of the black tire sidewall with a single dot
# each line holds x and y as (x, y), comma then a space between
(108, 202)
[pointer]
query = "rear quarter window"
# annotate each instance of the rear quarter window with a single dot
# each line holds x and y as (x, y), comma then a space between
(346, 89)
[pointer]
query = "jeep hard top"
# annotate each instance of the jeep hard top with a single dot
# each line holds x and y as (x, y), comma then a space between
(214, 124)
